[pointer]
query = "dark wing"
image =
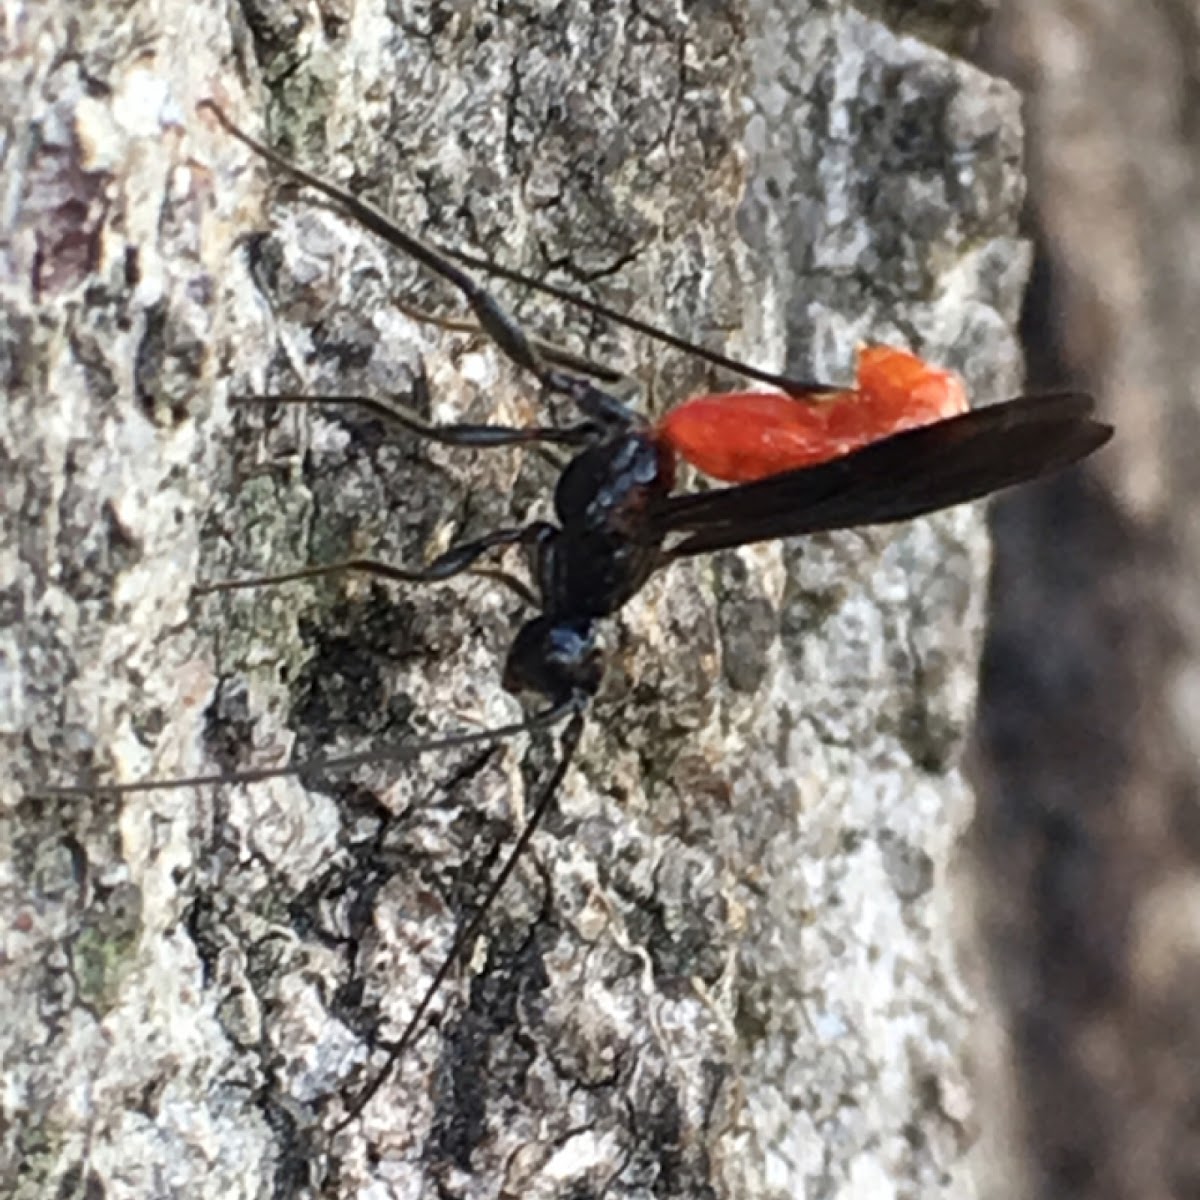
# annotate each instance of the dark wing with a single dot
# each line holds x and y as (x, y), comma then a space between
(901, 477)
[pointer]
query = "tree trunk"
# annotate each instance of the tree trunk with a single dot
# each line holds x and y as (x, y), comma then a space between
(728, 966)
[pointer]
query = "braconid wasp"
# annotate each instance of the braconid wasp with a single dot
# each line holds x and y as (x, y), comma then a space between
(797, 469)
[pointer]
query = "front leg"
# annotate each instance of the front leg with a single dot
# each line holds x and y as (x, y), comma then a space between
(479, 437)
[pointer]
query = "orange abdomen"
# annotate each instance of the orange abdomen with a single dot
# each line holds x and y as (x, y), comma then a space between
(742, 436)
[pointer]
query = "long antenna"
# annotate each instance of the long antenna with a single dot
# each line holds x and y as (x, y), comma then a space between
(436, 259)
(346, 762)
(570, 742)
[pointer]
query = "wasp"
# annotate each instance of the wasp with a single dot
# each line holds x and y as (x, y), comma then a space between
(802, 458)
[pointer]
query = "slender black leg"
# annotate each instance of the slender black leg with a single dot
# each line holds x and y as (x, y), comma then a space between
(593, 402)
(570, 742)
(453, 562)
(319, 766)
(478, 436)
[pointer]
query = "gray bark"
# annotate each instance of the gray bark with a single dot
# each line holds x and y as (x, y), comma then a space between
(729, 967)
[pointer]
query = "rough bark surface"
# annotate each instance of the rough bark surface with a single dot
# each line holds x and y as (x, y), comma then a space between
(729, 967)
(1092, 729)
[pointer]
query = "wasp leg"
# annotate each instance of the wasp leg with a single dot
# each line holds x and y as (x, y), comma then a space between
(394, 413)
(453, 562)
(468, 933)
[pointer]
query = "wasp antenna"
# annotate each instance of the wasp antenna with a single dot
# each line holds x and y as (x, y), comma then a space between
(346, 762)
(492, 319)
(370, 217)
(570, 743)
(509, 338)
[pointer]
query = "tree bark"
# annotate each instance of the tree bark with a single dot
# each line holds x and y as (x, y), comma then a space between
(729, 967)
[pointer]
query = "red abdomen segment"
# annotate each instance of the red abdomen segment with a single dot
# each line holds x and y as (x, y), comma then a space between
(742, 436)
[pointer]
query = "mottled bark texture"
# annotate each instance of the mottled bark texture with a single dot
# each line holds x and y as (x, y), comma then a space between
(1090, 829)
(729, 967)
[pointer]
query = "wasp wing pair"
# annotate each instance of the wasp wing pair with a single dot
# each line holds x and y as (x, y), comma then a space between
(906, 475)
